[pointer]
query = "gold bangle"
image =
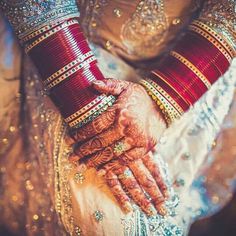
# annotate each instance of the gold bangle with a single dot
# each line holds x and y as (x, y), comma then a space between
(67, 67)
(222, 40)
(50, 33)
(167, 96)
(193, 68)
(85, 108)
(168, 110)
(213, 41)
(69, 73)
(157, 73)
(80, 119)
(39, 31)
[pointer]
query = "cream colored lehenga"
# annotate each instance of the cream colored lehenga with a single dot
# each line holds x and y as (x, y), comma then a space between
(41, 193)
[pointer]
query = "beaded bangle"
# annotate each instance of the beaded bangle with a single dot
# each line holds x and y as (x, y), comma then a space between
(50, 33)
(162, 77)
(169, 111)
(167, 96)
(85, 108)
(80, 122)
(40, 31)
(222, 40)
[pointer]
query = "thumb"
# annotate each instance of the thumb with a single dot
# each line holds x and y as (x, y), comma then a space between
(110, 86)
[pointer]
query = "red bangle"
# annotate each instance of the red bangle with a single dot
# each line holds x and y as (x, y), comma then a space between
(67, 77)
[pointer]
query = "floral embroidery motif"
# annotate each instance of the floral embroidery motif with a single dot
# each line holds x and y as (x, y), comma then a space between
(146, 29)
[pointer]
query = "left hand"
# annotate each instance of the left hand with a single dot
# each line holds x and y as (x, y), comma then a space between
(130, 128)
(118, 141)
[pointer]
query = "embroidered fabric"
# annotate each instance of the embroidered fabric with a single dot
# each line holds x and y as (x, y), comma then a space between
(28, 15)
(183, 147)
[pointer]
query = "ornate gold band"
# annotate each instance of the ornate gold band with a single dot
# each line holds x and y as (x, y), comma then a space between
(222, 40)
(211, 39)
(85, 109)
(50, 33)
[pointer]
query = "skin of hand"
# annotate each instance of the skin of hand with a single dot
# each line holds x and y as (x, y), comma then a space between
(120, 140)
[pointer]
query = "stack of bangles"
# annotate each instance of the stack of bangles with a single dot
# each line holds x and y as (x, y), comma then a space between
(68, 68)
(189, 70)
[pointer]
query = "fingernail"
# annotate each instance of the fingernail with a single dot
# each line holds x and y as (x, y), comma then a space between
(69, 141)
(101, 172)
(152, 211)
(127, 207)
(73, 158)
(162, 210)
(98, 82)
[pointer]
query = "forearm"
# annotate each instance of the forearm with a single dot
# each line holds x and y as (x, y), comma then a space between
(196, 62)
(50, 34)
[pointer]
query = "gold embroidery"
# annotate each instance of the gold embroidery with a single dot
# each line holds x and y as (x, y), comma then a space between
(146, 29)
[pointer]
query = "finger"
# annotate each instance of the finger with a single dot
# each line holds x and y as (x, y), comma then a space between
(156, 173)
(129, 182)
(110, 86)
(111, 152)
(98, 142)
(147, 182)
(117, 190)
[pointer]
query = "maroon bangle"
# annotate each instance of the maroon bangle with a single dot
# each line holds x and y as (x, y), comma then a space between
(70, 93)
(191, 68)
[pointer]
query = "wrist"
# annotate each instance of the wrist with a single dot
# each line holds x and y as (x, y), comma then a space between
(188, 71)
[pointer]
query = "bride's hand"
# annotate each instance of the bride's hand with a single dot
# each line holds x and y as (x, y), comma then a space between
(126, 132)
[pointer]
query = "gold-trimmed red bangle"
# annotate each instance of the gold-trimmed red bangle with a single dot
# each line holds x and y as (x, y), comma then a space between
(69, 73)
(85, 108)
(193, 68)
(22, 35)
(68, 66)
(223, 40)
(85, 116)
(161, 97)
(40, 31)
(50, 33)
(156, 73)
(211, 39)
(166, 95)
(169, 111)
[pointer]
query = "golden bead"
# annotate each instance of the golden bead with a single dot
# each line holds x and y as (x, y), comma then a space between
(108, 45)
(176, 21)
(5, 140)
(35, 217)
(28, 185)
(12, 129)
(94, 24)
(117, 12)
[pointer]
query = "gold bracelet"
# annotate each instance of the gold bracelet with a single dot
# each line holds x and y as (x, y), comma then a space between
(213, 41)
(168, 110)
(85, 116)
(193, 68)
(157, 94)
(39, 31)
(157, 73)
(71, 72)
(167, 96)
(85, 108)
(50, 33)
(67, 67)
(221, 39)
